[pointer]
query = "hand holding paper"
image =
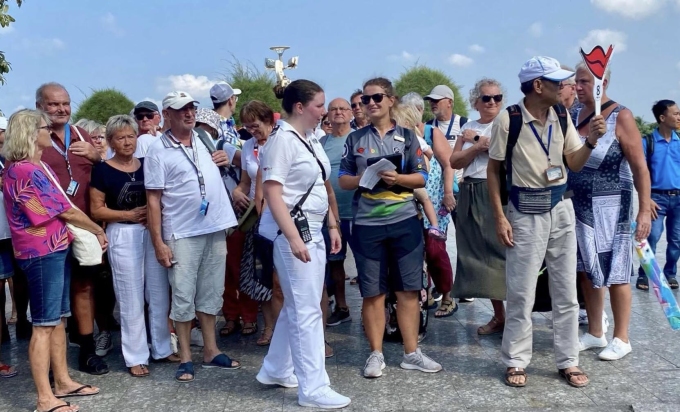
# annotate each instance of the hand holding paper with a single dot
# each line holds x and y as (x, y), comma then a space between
(371, 175)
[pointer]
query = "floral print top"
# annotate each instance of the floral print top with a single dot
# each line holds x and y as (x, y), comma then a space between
(33, 203)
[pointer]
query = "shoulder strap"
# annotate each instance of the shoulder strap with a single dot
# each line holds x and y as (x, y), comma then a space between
(590, 116)
(428, 134)
(56, 183)
(208, 143)
(462, 120)
(516, 123)
(206, 139)
(80, 136)
(561, 112)
(650, 150)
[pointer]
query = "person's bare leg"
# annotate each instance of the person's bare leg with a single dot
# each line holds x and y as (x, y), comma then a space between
(13, 316)
(621, 300)
(39, 360)
(374, 321)
(338, 276)
(62, 381)
(183, 330)
(208, 322)
(594, 305)
(498, 310)
(408, 311)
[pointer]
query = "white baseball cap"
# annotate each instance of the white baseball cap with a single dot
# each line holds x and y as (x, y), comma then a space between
(221, 92)
(542, 66)
(3, 123)
(177, 100)
(440, 92)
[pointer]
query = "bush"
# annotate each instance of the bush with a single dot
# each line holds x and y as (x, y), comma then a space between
(422, 79)
(102, 104)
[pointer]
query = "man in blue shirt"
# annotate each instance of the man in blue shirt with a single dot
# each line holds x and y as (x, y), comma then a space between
(662, 150)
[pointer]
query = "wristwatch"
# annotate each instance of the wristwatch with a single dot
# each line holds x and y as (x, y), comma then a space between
(476, 138)
(590, 145)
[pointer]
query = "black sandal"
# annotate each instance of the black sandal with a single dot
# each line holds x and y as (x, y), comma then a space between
(673, 283)
(643, 283)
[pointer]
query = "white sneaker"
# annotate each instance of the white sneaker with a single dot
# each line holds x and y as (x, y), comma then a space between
(289, 382)
(174, 343)
(588, 341)
(582, 317)
(328, 400)
(616, 350)
(374, 365)
(196, 337)
(418, 361)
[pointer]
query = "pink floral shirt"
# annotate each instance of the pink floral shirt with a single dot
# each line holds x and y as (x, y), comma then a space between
(33, 203)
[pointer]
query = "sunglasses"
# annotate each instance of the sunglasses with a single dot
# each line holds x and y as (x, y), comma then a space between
(355, 105)
(496, 98)
(378, 97)
(326, 123)
(142, 116)
(553, 82)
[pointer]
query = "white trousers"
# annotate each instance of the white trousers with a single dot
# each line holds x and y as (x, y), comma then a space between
(138, 277)
(298, 342)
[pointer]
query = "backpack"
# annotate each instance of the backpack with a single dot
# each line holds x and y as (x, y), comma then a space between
(650, 150)
(461, 122)
(516, 123)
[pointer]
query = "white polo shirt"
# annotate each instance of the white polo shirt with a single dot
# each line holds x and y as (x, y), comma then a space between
(167, 168)
(250, 162)
(285, 159)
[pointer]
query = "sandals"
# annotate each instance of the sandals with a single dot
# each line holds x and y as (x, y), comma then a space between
(7, 371)
(448, 308)
(56, 408)
(144, 374)
(185, 369)
(230, 327)
(264, 339)
(494, 326)
(510, 372)
(568, 376)
(172, 358)
(643, 283)
(222, 361)
(249, 328)
(77, 392)
(329, 350)
(673, 283)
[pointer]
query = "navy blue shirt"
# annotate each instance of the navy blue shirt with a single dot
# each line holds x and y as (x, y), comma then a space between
(665, 171)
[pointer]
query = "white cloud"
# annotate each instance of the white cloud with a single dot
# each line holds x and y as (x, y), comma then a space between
(632, 9)
(476, 48)
(6, 30)
(536, 29)
(460, 60)
(43, 46)
(110, 24)
(604, 38)
(197, 86)
(403, 56)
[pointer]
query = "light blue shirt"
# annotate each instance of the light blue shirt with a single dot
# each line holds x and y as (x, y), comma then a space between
(334, 148)
(665, 161)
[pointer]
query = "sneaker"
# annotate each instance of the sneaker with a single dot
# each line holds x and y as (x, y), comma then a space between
(339, 316)
(374, 365)
(328, 400)
(289, 382)
(582, 317)
(616, 350)
(174, 343)
(103, 344)
(94, 365)
(466, 300)
(605, 322)
(588, 341)
(196, 337)
(418, 361)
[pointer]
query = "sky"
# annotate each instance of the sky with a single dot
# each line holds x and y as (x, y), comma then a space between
(147, 49)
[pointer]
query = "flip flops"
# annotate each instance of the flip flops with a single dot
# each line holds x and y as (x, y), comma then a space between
(185, 369)
(222, 361)
(77, 392)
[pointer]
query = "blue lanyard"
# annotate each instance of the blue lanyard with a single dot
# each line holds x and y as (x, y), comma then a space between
(67, 136)
(448, 131)
(545, 149)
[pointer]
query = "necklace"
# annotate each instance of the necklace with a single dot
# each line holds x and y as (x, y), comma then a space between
(132, 175)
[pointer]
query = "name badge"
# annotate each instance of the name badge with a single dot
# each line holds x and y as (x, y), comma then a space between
(554, 173)
(204, 207)
(399, 139)
(72, 188)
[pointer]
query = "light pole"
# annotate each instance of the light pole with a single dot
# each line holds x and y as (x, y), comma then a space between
(278, 67)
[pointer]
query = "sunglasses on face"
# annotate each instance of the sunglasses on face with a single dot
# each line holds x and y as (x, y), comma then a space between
(377, 98)
(496, 98)
(355, 105)
(553, 82)
(326, 123)
(142, 116)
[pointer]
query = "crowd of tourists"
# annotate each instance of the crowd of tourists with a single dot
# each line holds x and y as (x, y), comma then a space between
(199, 217)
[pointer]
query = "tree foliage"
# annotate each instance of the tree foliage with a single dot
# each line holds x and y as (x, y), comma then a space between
(644, 127)
(5, 21)
(421, 79)
(254, 84)
(102, 104)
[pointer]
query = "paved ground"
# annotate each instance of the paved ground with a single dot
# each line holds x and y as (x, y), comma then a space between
(646, 380)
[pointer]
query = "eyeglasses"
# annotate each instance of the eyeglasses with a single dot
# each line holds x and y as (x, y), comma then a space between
(44, 128)
(326, 123)
(98, 137)
(338, 109)
(563, 85)
(496, 98)
(142, 116)
(378, 97)
(556, 83)
(355, 105)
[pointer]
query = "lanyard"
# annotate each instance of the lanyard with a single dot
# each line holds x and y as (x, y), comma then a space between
(448, 132)
(545, 149)
(64, 153)
(193, 159)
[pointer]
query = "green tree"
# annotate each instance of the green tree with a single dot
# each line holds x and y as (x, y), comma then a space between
(421, 79)
(254, 85)
(644, 127)
(5, 21)
(102, 104)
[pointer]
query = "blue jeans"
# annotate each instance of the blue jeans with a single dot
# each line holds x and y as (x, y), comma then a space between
(670, 210)
(49, 286)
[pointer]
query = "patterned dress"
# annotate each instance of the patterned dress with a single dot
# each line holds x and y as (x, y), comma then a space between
(435, 188)
(603, 195)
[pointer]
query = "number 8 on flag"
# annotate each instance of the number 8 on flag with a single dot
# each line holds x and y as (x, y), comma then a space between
(597, 61)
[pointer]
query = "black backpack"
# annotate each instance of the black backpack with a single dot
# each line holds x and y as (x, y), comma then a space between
(461, 122)
(516, 123)
(650, 150)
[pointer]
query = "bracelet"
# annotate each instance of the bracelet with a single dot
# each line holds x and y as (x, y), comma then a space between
(590, 145)
(333, 227)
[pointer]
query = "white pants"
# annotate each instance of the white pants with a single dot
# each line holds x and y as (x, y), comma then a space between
(298, 342)
(137, 276)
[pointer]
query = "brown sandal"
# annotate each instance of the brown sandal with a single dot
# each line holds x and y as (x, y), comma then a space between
(494, 326)
(515, 372)
(447, 308)
(569, 375)
(230, 327)
(265, 339)
(249, 328)
(144, 374)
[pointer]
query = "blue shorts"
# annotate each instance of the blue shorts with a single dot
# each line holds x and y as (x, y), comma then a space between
(7, 261)
(49, 285)
(345, 230)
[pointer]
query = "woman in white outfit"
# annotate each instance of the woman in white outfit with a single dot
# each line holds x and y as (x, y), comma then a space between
(294, 169)
(118, 197)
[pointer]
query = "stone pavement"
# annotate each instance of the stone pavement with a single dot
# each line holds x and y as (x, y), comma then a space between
(646, 380)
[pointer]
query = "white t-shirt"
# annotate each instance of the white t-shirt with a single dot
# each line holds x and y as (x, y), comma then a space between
(453, 135)
(250, 162)
(285, 159)
(143, 143)
(166, 167)
(477, 168)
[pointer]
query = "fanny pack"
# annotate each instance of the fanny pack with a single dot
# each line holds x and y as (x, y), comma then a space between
(536, 201)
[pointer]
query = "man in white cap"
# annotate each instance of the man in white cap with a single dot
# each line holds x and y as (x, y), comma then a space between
(441, 100)
(188, 214)
(540, 221)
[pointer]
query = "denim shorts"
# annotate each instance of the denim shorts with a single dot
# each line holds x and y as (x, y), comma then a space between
(7, 261)
(49, 285)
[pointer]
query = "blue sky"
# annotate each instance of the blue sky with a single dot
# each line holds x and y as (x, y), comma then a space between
(147, 49)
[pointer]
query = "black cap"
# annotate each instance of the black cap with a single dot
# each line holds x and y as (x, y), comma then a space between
(146, 106)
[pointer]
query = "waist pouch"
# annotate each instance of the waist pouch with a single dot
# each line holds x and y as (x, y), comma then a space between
(536, 201)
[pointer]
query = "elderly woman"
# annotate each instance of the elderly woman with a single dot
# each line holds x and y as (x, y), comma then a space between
(481, 258)
(118, 197)
(603, 205)
(96, 132)
(38, 210)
